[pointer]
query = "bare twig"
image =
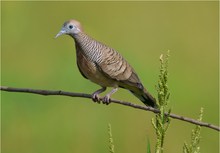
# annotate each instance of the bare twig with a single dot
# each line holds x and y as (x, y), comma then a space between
(83, 95)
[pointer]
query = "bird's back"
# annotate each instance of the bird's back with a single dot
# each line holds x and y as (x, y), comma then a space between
(95, 58)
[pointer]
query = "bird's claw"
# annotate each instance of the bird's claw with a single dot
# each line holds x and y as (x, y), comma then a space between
(106, 100)
(96, 98)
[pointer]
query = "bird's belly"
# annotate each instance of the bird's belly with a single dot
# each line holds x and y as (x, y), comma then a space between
(90, 71)
(100, 79)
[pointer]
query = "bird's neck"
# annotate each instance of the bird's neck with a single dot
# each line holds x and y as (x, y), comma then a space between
(81, 38)
(87, 45)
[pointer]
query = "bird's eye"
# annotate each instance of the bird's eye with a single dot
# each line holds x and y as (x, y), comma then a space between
(70, 27)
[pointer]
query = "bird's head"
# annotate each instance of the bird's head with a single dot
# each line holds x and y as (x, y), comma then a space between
(71, 27)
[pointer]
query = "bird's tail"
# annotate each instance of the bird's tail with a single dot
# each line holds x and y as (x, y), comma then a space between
(145, 97)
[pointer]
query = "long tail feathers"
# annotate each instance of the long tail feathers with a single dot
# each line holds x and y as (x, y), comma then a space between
(145, 97)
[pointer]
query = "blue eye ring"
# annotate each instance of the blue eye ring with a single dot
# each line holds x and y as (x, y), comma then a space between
(70, 26)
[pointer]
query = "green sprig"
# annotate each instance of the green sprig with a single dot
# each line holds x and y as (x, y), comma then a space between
(111, 145)
(193, 147)
(161, 122)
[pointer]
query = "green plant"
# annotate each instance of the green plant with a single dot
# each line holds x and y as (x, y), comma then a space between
(148, 146)
(193, 147)
(162, 121)
(111, 145)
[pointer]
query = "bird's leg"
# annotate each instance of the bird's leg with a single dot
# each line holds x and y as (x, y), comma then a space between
(95, 95)
(106, 99)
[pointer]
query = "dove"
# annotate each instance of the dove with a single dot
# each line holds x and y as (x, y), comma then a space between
(104, 66)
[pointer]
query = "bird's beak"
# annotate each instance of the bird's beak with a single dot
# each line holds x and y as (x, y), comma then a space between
(62, 31)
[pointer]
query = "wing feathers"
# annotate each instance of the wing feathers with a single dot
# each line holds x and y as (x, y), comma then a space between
(115, 66)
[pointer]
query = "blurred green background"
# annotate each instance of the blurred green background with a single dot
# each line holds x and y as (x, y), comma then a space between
(140, 31)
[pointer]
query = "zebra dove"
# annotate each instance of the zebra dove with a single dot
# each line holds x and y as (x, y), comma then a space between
(104, 66)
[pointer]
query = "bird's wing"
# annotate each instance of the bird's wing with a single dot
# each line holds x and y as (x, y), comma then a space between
(116, 67)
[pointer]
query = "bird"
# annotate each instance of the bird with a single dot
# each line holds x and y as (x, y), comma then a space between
(104, 66)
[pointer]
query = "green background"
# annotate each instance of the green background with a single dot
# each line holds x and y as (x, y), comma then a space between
(140, 31)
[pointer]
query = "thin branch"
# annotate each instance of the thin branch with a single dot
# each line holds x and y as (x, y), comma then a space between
(83, 95)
